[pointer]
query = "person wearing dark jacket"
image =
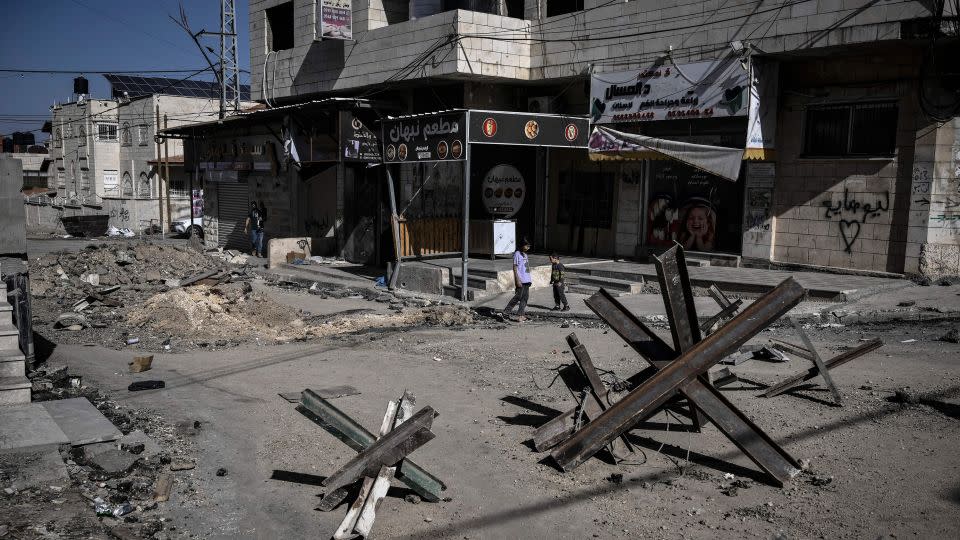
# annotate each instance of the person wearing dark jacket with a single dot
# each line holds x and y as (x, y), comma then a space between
(557, 272)
(254, 226)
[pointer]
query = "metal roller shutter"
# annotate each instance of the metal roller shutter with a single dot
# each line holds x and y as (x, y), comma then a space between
(232, 209)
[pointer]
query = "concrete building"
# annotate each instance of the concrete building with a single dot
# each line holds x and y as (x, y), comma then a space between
(106, 160)
(857, 166)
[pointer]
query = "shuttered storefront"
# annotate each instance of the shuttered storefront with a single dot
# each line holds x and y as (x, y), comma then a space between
(232, 209)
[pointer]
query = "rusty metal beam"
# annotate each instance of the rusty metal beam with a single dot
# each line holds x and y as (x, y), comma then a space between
(619, 447)
(682, 375)
(811, 373)
(678, 298)
(817, 361)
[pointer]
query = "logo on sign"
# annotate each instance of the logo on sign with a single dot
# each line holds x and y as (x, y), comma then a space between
(531, 129)
(456, 149)
(442, 150)
(356, 124)
(571, 132)
(489, 127)
(391, 153)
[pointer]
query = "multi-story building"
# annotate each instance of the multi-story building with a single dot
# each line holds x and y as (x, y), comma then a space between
(106, 159)
(845, 113)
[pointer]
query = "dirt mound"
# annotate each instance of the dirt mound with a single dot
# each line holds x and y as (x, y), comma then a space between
(222, 311)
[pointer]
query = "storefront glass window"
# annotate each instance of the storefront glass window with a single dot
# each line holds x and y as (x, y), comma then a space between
(586, 199)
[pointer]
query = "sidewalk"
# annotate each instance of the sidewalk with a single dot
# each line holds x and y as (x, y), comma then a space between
(911, 303)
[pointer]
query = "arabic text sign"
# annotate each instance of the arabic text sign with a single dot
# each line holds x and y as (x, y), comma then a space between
(357, 141)
(712, 89)
(335, 19)
(436, 137)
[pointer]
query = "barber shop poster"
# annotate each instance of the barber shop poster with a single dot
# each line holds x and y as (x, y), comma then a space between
(690, 207)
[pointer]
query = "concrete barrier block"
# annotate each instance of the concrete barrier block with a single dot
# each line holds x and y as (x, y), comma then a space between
(277, 249)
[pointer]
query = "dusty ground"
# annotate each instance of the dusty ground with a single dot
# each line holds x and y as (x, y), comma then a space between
(894, 468)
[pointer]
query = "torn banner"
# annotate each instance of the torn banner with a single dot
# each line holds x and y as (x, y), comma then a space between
(606, 143)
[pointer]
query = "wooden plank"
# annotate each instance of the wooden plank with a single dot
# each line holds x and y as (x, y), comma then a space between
(345, 530)
(382, 483)
(388, 450)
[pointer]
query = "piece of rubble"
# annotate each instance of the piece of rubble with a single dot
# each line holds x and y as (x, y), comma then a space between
(72, 321)
(141, 364)
(162, 486)
(182, 465)
(139, 443)
(953, 336)
(114, 461)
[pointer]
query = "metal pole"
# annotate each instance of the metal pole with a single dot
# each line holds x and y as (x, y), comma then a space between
(464, 263)
(395, 227)
(196, 174)
(159, 178)
(166, 166)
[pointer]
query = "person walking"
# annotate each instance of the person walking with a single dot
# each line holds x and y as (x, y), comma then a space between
(254, 226)
(557, 280)
(522, 281)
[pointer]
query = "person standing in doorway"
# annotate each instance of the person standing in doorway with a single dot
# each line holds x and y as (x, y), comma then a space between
(522, 281)
(254, 226)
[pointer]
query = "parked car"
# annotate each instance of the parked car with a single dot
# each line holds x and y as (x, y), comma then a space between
(184, 227)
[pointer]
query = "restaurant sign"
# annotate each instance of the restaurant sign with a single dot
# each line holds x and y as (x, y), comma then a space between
(712, 89)
(497, 127)
(433, 137)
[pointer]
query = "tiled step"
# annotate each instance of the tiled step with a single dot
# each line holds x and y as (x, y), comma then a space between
(610, 284)
(14, 390)
(9, 336)
(12, 363)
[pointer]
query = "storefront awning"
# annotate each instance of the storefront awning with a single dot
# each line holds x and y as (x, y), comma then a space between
(610, 144)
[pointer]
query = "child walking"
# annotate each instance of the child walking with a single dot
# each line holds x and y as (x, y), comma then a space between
(522, 281)
(556, 279)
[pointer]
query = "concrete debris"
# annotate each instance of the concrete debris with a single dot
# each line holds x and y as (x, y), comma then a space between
(115, 462)
(182, 465)
(141, 364)
(72, 321)
(221, 471)
(953, 336)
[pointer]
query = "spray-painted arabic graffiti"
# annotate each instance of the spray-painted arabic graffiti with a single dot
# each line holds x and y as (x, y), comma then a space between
(122, 214)
(858, 211)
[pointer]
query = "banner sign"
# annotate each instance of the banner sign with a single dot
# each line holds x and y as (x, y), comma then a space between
(335, 19)
(357, 141)
(762, 124)
(712, 89)
(495, 127)
(432, 137)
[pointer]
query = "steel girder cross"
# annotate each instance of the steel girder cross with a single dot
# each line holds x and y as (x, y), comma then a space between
(685, 375)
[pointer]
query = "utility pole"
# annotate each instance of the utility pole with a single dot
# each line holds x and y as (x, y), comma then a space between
(229, 70)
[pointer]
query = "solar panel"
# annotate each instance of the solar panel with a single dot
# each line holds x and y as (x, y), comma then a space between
(136, 86)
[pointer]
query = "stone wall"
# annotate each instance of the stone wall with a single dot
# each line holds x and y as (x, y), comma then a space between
(933, 240)
(851, 212)
(133, 214)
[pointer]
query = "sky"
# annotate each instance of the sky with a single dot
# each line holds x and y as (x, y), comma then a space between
(99, 35)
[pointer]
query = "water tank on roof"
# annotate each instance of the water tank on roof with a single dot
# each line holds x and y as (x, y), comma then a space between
(81, 86)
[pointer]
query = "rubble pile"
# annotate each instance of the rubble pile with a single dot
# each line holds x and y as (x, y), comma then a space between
(116, 489)
(85, 297)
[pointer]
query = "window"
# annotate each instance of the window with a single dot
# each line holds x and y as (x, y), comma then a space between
(562, 7)
(142, 135)
(127, 184)
(61, 179)
(110, 184)
(58, 138)
(586, 199)
(106, 132)
(280, 27)
(851, 129)
(85, 181)
(82, 136)
(143, 187)
(126, 137)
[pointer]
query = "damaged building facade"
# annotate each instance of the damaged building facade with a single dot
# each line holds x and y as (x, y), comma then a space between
(845, 112)
(105, 158)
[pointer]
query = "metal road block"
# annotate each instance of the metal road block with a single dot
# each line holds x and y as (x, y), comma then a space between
(815, 370)
(685, 374)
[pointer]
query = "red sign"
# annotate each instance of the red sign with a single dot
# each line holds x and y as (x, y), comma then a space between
(489, 127)
(570, 132)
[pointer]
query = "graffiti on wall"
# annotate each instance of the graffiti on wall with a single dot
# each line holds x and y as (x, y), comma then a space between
(854, 213)
(121, 214)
